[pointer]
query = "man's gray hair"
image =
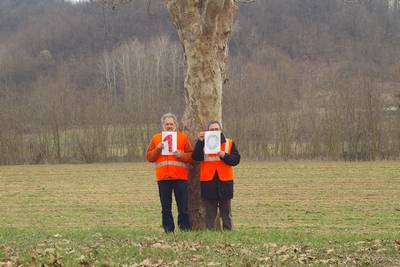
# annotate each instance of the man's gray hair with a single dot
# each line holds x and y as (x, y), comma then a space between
(169, 115)
(212, 122)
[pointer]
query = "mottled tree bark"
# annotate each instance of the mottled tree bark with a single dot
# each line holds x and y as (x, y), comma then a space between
(204, 27)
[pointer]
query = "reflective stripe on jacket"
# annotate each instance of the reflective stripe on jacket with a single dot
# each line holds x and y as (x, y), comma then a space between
(213, 163)
(167, 166)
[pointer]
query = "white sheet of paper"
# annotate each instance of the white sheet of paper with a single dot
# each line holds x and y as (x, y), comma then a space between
(212, 142)
(170, 141)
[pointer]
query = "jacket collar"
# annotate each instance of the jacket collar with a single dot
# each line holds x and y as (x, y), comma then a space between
(223, 139)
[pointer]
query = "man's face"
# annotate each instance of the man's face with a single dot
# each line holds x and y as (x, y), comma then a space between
(169, 125)
(214, 127)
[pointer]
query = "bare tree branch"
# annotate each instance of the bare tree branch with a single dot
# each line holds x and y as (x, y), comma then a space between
(148, 10)
(113, 4)
(356, 1)
(244, 1)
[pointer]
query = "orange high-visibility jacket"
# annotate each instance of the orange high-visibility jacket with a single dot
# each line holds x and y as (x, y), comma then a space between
(213, 163)
(167, 166)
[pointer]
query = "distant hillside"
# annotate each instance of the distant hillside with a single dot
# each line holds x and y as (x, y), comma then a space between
(315, 31)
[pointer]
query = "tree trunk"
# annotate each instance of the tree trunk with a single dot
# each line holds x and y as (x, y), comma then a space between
(204, 27)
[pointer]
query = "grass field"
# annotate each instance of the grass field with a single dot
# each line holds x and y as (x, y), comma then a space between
(285, 214)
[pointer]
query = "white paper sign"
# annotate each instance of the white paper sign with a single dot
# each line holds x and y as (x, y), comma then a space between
(170, 143)
(212, 142)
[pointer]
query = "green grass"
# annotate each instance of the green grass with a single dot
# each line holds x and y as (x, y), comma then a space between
(285, 214)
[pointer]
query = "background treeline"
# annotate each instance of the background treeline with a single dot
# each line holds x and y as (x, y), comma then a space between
(312, 79)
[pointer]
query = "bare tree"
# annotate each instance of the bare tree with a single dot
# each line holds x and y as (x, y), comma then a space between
(108, 67)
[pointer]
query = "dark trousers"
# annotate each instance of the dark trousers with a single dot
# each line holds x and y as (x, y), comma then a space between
(211, 206)
(180, 189)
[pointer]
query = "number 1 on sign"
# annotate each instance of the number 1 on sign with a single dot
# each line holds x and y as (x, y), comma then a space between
(168, 139)
(170, 143)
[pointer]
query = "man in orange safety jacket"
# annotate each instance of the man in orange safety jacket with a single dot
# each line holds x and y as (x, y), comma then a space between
(216, 177)
(171, 173)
